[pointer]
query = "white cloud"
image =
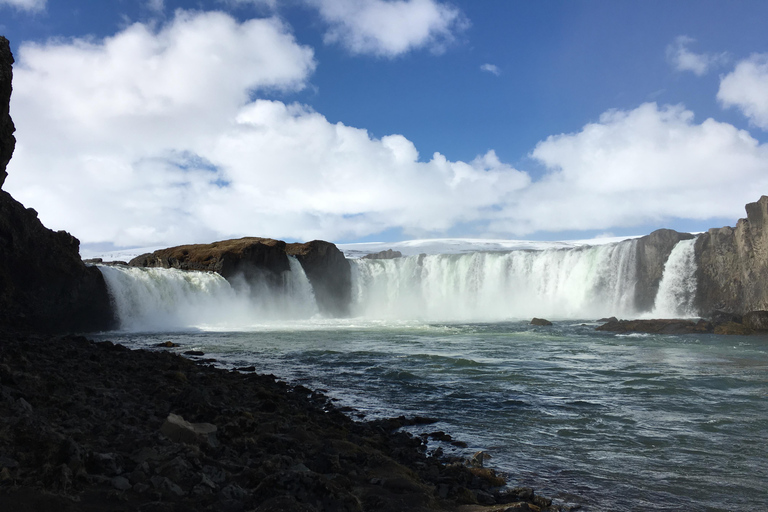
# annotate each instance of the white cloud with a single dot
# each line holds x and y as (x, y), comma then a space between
(491, 68)
(682, 59)
(26, 5)
(389, 28)
(152, 137)
(746, 87)
(640, 166)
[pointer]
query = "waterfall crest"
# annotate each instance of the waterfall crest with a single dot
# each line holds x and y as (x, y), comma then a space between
(677, 289)
(560, 283)
(167, 299)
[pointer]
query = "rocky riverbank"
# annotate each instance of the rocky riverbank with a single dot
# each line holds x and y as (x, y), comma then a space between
(94, 426)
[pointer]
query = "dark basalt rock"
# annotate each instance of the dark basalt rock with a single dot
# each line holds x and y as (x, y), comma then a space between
(328, 271)
(7, 140)
(652, 253)
(662, 326)
(95, 426)
(540, 321)
(249, 258)
(44, 286)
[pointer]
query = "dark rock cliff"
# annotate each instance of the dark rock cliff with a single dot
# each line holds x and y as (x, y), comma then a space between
(248, 258)
(733, 264)
(44, 285)
(252, 260)
(652, 253)
(329, 272)
(7, 140)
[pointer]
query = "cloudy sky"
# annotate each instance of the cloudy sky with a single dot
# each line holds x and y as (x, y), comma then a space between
(161, 122)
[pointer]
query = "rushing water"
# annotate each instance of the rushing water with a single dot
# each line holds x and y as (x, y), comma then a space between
(610, 422)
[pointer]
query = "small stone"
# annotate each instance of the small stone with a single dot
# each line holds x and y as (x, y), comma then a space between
(121, 483)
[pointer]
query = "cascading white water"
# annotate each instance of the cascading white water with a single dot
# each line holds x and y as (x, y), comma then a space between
(159, 299)
(573, 283)
(677, 289)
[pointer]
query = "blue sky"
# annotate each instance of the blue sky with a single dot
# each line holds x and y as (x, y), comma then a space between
(167, 122)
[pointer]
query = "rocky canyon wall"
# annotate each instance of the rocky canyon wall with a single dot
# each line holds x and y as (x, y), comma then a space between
(732, 273)
(44, 285)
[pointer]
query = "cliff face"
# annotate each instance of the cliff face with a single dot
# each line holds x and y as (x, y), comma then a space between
(733, 264)
(329, 272)
(7, 140)
(652, 253)
(246, 257)
(265, 260)
(44, 286)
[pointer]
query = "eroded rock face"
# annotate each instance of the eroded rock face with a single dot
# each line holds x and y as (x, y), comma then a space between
(44, 286)
(250, 258)
(733, 264)
(329, 272)
(265, 260)
(7, 140)
(652, 253)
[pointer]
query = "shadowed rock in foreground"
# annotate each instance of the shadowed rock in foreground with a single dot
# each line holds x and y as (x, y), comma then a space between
(43, 283)
(90, 426)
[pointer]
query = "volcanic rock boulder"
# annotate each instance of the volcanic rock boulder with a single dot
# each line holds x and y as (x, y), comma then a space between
(652, 253)
(733, 264)
(44, 285)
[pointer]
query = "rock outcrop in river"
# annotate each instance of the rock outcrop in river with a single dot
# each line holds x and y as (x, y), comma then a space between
(44, 285)
(265, 260)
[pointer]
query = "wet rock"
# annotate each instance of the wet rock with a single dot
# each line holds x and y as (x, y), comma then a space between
(540, 321)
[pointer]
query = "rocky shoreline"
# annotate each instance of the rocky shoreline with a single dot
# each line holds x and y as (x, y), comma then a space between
(94, 426)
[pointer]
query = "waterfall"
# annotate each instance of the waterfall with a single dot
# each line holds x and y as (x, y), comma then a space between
(559, 283)
(677, 289)
(162, 299)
